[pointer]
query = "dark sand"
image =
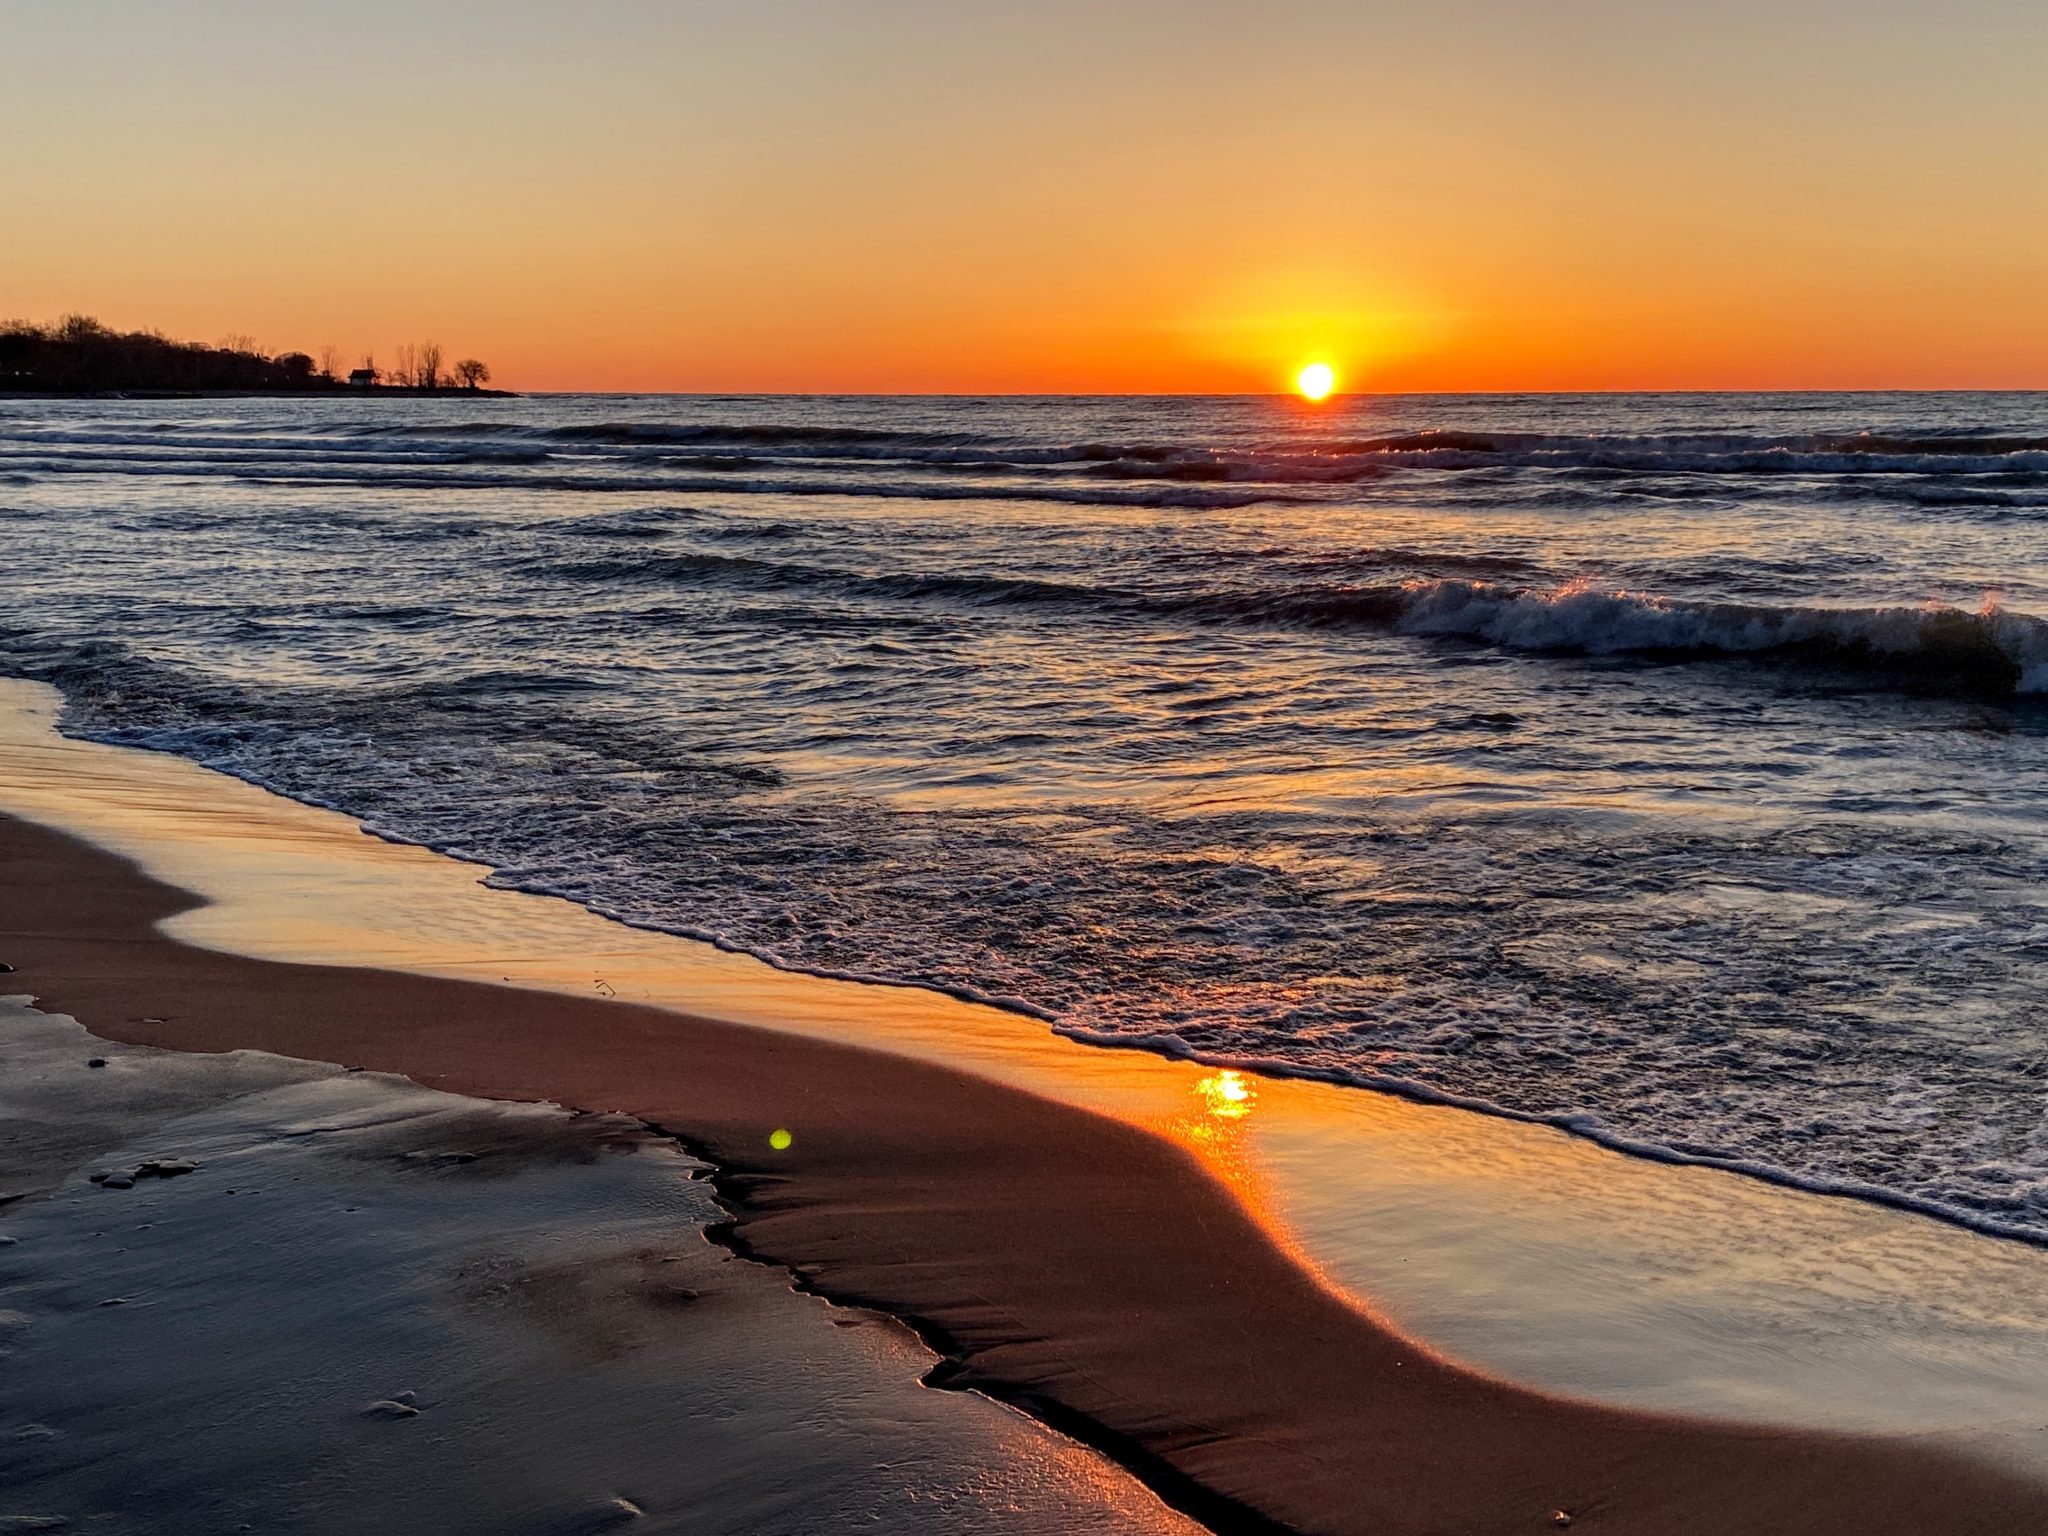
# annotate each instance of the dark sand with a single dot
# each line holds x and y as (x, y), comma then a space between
(1080, 1267)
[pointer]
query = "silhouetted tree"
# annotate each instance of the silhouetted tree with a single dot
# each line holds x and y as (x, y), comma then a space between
(79, 355)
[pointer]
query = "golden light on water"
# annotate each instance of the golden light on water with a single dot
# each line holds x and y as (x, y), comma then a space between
(1316, 381)
(1228, 1095)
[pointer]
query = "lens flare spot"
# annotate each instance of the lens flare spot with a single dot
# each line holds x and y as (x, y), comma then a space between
(780, 1139)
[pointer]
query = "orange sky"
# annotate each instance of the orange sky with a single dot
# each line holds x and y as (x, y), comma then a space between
(1121, 195)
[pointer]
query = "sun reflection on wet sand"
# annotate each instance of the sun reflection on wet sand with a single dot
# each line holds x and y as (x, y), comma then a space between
(1229, 1095)
(1210, 1121)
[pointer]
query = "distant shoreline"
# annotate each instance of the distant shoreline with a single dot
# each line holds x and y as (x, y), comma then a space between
(339, 391)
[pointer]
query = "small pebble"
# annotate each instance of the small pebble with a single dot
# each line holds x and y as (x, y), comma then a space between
(1560, 1518)
(118, 1181)
(96, 1061)
(390, 1408)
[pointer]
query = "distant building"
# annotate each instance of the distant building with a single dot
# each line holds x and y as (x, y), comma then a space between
(362, 378)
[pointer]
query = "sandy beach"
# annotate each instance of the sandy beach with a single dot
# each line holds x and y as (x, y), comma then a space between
(1093, 1272)
(368, 1306)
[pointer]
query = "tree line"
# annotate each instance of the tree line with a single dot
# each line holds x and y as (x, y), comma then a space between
(79, 355)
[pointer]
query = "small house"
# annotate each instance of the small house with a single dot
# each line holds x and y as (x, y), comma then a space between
(362, 378)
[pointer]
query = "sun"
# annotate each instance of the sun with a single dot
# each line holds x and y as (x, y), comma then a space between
(1316, 381)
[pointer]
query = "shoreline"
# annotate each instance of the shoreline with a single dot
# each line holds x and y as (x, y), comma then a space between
(334, 392)
(1526, 1254)
(1003, 1222)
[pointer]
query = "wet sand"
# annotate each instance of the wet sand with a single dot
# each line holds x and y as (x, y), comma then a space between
(363, 1306)
(1081, 1267)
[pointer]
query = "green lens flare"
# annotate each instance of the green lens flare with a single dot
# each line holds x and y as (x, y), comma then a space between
(780, 1140)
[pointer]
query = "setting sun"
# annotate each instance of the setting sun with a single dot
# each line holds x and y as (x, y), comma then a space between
(1316, 381)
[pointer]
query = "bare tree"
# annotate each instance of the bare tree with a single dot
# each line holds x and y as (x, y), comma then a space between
(430, 365)
(470, 373)
(80, 328)
(405, 372)
(330, 361)
(238, 341)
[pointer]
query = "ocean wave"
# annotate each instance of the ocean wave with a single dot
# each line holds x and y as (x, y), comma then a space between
(1304, 460)
(762, 434)
(1938, 650)
(1320, 461)
(1934, 649)
(755, 574)
(1929, 649)
(569, 478)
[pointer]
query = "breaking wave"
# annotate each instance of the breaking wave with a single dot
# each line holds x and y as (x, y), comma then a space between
(1926, 649)
(1929, 649)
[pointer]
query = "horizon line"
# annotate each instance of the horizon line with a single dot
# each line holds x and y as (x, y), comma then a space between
(1271, 394)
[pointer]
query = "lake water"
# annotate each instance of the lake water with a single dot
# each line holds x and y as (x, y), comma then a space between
(1667, 767)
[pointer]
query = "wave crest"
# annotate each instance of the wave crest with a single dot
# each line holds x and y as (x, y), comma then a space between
(1938, 649)
(1933, 649)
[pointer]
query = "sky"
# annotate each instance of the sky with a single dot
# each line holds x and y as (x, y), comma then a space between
(1053, 196)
